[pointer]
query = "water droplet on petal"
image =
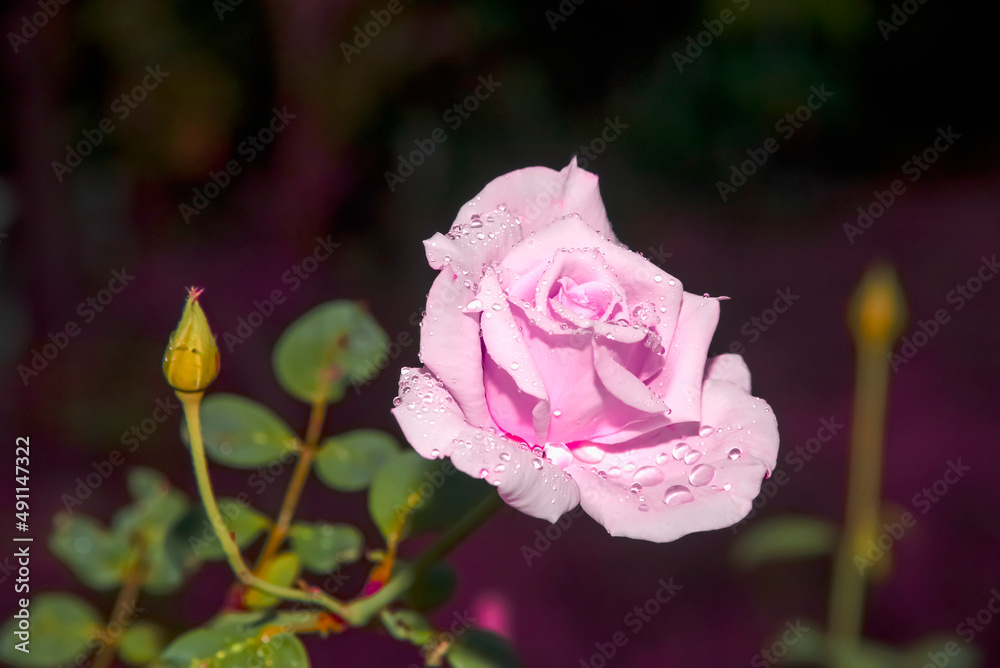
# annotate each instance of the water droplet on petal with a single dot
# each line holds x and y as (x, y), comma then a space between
(536, 462)
(661, 458)
(559, 454)
(648, 476)
(557, 412)
(693, 456)
(680, 450)
(677, 495)
(643, 508)
(701, 475)
(435, 453)
(474, 305)
(705, 431)
(500, 468)
(635, 488)
(734, 453)
(657, 278)
(515, 366)
(614, 472)
(483, 473)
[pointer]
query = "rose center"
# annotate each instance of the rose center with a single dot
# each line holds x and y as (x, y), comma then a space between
(591, 300)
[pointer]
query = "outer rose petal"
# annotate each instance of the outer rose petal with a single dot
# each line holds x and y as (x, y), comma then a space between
(435, 427)
(449, 345)
(739, 421)
(729, 367)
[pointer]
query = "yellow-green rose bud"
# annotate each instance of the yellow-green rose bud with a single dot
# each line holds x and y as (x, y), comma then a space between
(191, 361)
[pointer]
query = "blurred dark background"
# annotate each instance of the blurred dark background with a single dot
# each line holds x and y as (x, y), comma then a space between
(681, 115)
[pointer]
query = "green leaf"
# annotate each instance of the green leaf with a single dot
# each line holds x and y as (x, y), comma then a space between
(323, 547)
(432, 589)
(142, 642)
(348, 462)
(243, 433)
(943, 649)
(329, 347)
(411, 494)
(408, 625)
(158, 508)
(227, 648)
(786, 537)
(62, 626)
(95, 555)
(243, 521)
(281, 569)
(477, 648)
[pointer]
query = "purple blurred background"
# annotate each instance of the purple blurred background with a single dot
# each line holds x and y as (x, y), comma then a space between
(184, 84)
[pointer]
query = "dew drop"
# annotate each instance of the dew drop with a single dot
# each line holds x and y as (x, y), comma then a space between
(515, 366)
(559, 454)
(680, 450)
(677, 495)
(672, 282)
(496, 307)
(614, 472)
(474, 305)
(500, 468)
(483, 473)
(734, 453)
(536, 463)
(435, 453)
(648, 476)
(661, 458)
(701, 475)
(643, 508)
(557, 412)
(705, 431)
(657, 278)
(635, 488)
(693, 456)
(505, 456)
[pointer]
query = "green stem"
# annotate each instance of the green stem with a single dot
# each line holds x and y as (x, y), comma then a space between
(124, 608)
(298, 482)
(361, 611)
(847, 590)
(192, 402)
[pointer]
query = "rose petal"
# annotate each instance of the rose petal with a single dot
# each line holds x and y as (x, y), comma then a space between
(450, 346)
(747, 425)
(434, 426)
(729, 367)
(679, 383)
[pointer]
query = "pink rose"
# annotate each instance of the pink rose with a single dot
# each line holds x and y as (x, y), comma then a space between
(564, 368)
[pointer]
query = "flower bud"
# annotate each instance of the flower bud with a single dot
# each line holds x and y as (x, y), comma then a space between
(191, 361)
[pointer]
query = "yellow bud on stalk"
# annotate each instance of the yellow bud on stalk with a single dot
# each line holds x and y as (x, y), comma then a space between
(191, 361)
